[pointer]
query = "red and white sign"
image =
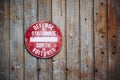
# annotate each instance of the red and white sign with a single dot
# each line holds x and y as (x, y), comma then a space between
(43, 39)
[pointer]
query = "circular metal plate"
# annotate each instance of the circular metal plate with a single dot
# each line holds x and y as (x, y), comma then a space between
(43, 39)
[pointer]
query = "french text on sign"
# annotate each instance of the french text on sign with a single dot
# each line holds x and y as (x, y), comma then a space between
(43, 39)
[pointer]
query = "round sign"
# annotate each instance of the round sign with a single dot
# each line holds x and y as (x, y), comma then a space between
(43, 39)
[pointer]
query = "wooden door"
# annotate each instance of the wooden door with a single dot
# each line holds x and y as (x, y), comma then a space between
(91, 40)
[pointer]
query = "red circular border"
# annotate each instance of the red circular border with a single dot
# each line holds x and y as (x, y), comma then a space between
(57, 49)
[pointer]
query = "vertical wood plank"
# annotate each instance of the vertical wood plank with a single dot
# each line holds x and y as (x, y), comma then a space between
(59, 61)
(4, 39)
(16, 40)
(100, 35)
(118, 42)
(114, 39)
(30, 17)
(72, 24)
(44, 10)
(45, 65)
(87, 53)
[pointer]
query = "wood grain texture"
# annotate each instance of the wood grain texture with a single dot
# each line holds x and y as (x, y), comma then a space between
(4, 40)
(91, 40)
(100, 36)
(87, 53)
(30, 17)
(72, 24)
(45, 65)
(16, 40)
(59, 61)
(114, 39)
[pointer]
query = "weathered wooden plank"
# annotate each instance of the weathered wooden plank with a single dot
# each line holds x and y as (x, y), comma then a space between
(87, 53)
(16, 40)
(44, 10)
(4, 39)
(100, 36)
(45, 65)
(59, 61)
(114, 39)
(72, 24)
(30, 17)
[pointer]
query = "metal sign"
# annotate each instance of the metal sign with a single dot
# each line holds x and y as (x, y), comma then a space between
(43, 39)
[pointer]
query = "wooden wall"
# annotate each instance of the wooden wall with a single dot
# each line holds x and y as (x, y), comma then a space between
(91, 40)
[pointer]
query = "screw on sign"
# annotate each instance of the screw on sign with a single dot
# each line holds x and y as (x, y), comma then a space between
(43, 39)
